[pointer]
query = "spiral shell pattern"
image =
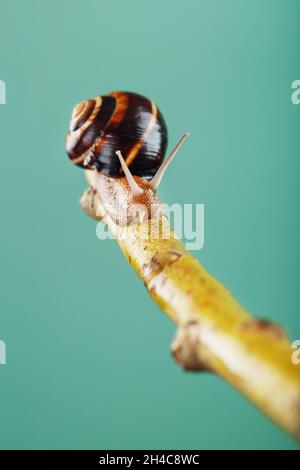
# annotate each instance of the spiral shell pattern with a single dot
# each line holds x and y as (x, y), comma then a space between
(118, 121)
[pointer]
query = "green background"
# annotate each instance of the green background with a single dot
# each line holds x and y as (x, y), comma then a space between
(88, 362)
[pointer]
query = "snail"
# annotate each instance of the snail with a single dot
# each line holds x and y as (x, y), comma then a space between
(103, 130)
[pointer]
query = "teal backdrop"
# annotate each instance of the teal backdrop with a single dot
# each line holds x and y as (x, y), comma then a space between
(88, 361)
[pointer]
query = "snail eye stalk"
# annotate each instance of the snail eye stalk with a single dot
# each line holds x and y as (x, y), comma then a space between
(135, 189)
(156, 180)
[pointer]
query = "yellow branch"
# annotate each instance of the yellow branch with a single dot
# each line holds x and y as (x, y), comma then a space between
(215, 331)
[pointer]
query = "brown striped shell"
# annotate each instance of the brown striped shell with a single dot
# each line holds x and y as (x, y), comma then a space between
(118, 121)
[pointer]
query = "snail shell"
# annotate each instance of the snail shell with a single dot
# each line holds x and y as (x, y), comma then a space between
(120, 120)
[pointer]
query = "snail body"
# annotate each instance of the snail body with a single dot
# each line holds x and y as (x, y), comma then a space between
(125, 205)
(105, 129)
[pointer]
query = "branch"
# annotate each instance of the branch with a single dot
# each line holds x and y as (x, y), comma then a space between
(215, 332)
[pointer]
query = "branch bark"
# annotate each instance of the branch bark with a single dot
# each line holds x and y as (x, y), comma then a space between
(215, 332)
